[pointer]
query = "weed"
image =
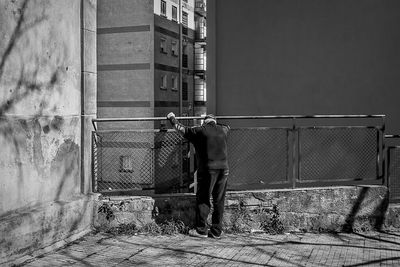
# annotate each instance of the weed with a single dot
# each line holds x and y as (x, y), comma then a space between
(151, 228)
(239, 220)
(171, 227)
(106, 209)
(270, 221)
(174, 227)
(123, 229)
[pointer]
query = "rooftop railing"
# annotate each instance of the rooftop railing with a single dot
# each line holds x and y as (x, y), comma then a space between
(265, 152)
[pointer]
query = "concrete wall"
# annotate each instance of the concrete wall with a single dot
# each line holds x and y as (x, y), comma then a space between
(310, 57)
(341, 209)
(47, 70)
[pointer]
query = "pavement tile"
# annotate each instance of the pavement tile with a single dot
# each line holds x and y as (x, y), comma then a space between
(301, 249)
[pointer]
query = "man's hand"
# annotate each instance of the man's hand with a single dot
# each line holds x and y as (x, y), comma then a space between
(171, 116)
(180, 128)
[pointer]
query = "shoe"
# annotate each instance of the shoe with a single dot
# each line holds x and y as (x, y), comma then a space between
(194, 233)
(210, 234)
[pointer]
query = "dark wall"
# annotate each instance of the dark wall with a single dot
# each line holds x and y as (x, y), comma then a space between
(305, 57)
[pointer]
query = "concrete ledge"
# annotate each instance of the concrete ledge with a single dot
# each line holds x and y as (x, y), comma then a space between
(392, 217)
(36, 230)
(348, 208)
(315, 209)
(117, 210)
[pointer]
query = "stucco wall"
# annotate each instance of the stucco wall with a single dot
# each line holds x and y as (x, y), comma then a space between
(45, 76)
(40, 101)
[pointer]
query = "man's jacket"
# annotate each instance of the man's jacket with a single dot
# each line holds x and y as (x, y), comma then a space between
(210, 143)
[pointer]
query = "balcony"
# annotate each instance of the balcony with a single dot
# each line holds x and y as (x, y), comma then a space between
(201, 7)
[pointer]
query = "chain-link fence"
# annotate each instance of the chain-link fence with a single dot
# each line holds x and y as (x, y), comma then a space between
(141, 160)
(161, 161)
(338, 154)
(258, 158)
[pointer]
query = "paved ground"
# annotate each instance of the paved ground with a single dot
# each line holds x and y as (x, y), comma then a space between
(372, 249)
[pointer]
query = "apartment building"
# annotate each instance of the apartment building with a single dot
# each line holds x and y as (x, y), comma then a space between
(146, 52)
(146, 59)
(200, 60)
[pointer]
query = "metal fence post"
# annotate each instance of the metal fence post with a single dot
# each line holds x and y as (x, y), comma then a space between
(94, 169)
(294, 153)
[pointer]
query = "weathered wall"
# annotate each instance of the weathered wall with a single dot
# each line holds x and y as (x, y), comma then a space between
(45, 76)
(308, 57)
(40, 102)
(350, 208)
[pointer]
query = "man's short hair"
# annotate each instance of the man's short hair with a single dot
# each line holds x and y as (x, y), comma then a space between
(209, 118)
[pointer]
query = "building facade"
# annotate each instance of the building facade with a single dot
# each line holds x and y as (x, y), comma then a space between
(200, 60)
(146, 60)
(151, 61)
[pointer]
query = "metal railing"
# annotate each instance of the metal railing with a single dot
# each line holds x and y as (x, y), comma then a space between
(264, 152)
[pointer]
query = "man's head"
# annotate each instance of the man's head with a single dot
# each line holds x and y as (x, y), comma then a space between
(210, 118)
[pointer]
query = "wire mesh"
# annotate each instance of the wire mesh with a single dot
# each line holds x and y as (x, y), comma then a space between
(394, 174)
(257, 157)
(140, 160)
(332, 154)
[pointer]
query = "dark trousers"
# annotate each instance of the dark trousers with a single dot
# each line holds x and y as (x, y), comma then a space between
(212, 183)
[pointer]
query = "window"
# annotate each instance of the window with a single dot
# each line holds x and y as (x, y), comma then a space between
(185, 57)
(174, 48)
(163, 45)
(174, 81)
(174, 13)
(163, 8)
(184, 90)
(185, 61)
(163, 81)
(126, 164)
(184, 18)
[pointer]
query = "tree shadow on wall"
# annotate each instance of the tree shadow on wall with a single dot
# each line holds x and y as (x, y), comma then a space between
(32, 70)
(377, 220)
(27, 78)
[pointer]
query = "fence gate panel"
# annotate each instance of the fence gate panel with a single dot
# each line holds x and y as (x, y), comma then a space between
(394, 173)
(338, 154)
(258, 158)
(140, 160)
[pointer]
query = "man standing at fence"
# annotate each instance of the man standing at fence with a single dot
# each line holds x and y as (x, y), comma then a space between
(209, 141)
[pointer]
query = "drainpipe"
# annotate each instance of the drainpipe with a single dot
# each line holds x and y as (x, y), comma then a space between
(180, 58)
(82, 117)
